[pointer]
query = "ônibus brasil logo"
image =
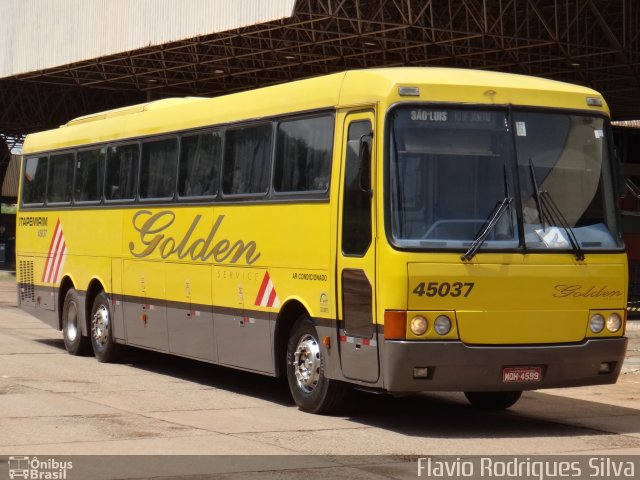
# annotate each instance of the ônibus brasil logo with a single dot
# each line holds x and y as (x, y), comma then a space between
(36, 469)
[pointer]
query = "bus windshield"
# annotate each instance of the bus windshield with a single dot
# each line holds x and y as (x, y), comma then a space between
(450, 169)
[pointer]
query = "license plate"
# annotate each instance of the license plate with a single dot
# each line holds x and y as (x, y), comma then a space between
(521, 374)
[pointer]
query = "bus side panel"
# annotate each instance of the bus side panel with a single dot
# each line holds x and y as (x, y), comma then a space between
(117, 312)
(243, 335)
(45, 294)
(144, 307)
(189, 313)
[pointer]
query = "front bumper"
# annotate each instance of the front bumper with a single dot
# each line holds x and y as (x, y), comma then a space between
(455, 366)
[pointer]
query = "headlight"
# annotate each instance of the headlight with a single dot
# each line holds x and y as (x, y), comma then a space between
(418, 325)
(596, 323)
(614, 322)
(442, 325)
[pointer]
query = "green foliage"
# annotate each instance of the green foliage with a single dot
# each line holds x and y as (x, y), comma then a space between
(6, 208)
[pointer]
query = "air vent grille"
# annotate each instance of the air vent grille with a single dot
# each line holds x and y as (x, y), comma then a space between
(27, 290)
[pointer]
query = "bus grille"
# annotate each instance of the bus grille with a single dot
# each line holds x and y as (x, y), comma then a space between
(27, 290)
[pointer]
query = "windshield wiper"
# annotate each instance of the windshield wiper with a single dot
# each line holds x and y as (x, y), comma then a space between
(536, 193)
(559, 219)
(547, 208)
(491, 222)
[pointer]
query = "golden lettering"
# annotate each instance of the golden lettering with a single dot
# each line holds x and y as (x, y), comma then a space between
(580, 291)
(152, 228)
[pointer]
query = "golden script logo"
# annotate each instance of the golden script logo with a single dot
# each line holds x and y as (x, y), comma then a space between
(152, 230)
(580, 291)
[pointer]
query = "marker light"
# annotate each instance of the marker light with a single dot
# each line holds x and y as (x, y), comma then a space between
(596, 323)
(442, 325)
(409, 91)
(418, 325)
(594, 101)
(614, 322)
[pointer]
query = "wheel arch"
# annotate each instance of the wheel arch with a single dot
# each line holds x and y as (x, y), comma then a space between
(93, 290)
(287, 316)
(66, 284)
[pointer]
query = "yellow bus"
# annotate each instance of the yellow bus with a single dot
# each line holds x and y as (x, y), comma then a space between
(398, 230)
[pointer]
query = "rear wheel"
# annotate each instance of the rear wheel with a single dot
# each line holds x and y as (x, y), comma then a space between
(311, 390)
(72, 316)
(104, 346)
(493, 400)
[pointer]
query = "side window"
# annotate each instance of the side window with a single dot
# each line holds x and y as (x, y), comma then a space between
(89, 175)
(247, 158)
(199, 164)
(303, 155)
(356, 213)
(122, 172)
(60, 181)
(34, 184)
(158, 168)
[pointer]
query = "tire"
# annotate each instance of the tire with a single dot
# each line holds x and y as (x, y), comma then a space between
(72, 319)
(312, 391)
(104, 346)
(493, 400)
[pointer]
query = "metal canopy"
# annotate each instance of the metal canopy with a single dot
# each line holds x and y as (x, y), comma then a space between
(590, 42)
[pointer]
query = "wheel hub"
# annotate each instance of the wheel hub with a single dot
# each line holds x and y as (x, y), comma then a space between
(72, 322)
(100, 325)
(306, 363)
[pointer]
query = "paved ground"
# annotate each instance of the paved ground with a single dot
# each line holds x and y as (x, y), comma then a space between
(54, 404)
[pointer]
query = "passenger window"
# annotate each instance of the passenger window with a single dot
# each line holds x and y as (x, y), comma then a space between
(122, 172)
(303, 155)
(158, 168)
(89, 175)
(34, 185)
(60, 181)
(199, 164)
(247, 158)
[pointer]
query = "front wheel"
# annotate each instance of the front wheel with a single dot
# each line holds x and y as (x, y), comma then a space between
(493, 400)
(104, 346)
(311, 390)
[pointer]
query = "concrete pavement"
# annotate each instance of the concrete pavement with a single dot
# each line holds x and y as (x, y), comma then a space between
(52, 403)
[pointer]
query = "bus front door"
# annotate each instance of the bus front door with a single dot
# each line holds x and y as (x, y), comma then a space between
(356, 253)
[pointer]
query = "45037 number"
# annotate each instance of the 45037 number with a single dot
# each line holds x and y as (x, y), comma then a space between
(444, 289)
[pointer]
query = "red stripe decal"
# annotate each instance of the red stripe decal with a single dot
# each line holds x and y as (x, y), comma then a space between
(59, 262)
(272, 298)
(49, 253)
(56, 241)
(263, 287)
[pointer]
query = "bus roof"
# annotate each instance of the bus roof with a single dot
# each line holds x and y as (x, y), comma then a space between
(345, 89)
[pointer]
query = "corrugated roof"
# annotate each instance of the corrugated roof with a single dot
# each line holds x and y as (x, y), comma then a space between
(10, 183)
(40, 34)
(627, 123)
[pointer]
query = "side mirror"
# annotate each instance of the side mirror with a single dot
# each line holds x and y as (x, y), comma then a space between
(365, 162)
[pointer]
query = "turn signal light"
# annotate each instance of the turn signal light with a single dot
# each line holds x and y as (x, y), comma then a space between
(395, 325)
